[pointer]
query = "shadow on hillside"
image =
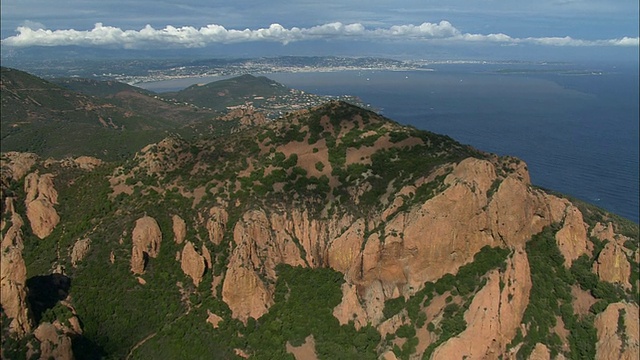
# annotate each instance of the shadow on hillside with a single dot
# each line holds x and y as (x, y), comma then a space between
(45, 291)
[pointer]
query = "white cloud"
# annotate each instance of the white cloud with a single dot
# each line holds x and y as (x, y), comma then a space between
(32, 34)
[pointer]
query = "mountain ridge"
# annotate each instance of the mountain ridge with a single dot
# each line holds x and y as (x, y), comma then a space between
(334, 224)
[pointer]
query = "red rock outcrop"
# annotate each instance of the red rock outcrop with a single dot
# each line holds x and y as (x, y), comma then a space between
(245, 292)
(214, 319)
(572, 237)
(80, 250)
(147, 238)
(420, 244)
(192, 263)
(217, 224)
(87, 162)
(612, 265)
(257, 252)
(540, 352)
(40, 198)
(306, 351)
(614, 342)
(349, 308)
(179, 229)
(344, 252)
(54, 343)
(15, 165)
(207, 256)
(494, 314)
(13, 275)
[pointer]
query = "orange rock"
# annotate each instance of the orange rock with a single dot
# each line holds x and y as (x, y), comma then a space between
(53, 344)
(192, 263)
(87, 162)
(349, 308)
(179, 229)
(16, 165)
(39, 201)
(13, 276)
(494, 314)
(615, 343)
(80, 250)
(214, 319)
(147, 238)
(217, 224)
(540, 352)
(612, 265)
(572, 237)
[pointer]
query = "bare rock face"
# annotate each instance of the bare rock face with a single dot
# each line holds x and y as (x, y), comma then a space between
(192, 263)
(391, 325)
(428, 241)
(344, 252)
(257, 252)
(13, 276)
(245, 293)
(207, 256)
(602, 232)
(612, 265)
(15, 165)
(214, 319)
(80, 250)
(40, 198)
(349, 308)
(87, 162)
(217, 224)
(179, 229)
(572, 238)
(146, 243)
(421, 244)
(614, 341)
(494, 314)
(53, 343)
(540, 352)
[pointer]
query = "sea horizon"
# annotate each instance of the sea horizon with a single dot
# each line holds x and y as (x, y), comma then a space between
(574, 125)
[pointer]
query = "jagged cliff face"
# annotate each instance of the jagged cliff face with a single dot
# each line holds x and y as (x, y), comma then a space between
(392, 209)
(13, 273)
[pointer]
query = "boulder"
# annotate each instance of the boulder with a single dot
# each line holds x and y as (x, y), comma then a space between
(147, 238)
(80, 250)
(192, 263)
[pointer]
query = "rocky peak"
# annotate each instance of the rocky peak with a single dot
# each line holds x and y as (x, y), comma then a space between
(192, 263)
(147, 238)
(179, 229)
(13, 275)
(40, 198)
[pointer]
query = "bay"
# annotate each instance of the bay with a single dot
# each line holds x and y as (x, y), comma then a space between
(576, 126)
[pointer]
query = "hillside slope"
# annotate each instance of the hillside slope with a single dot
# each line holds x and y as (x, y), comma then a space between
(332, 231)
(230, 92)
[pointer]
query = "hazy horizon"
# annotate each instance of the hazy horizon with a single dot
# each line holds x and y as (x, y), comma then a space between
(463, 29)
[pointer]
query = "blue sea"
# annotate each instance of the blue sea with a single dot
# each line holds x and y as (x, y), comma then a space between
(576, 126)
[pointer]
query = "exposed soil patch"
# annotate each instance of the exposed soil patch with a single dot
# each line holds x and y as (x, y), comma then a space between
(306, 351)
(582, 300)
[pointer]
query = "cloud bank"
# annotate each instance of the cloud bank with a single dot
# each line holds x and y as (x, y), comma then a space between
(191, 37)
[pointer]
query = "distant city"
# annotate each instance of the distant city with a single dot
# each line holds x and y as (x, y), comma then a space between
(148, 70)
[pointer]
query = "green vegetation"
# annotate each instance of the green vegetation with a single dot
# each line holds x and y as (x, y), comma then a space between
(166, 317)
(229, 92)
(551, 297)
(465, 284)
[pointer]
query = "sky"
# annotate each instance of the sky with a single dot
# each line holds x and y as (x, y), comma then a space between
(400, 28)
